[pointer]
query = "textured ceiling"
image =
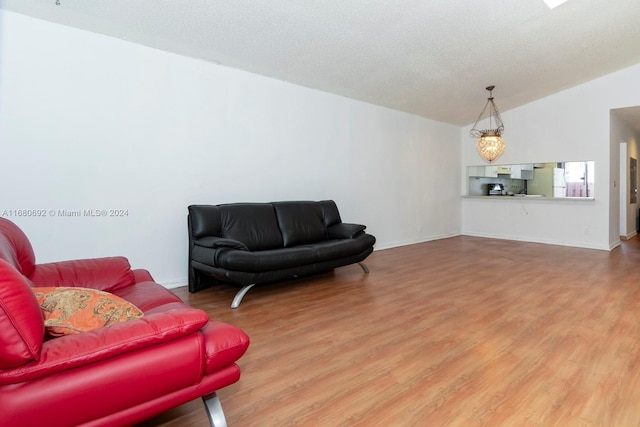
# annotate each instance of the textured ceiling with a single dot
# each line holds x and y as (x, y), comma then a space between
(432, 58)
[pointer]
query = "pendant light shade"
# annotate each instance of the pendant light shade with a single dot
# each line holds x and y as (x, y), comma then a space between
(490, 147)
(490, 144)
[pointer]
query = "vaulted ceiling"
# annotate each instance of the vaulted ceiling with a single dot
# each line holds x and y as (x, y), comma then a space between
(431, 58)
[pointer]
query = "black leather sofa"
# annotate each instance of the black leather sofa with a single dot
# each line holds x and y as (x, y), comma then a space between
(247, 244)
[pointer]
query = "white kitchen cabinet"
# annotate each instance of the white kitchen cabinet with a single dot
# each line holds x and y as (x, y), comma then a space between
(522, 171)
(491, 171)
(483, 171)
(477, 171)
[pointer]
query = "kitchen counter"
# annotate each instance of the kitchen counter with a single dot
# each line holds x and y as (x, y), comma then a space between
(533, 197)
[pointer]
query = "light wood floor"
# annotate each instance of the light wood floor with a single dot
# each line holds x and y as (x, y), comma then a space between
(457, 332)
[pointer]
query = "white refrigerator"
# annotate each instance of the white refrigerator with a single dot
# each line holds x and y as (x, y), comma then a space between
(549, 182)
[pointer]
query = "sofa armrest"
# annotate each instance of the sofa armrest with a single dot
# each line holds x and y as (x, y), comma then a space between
(104, 274)
(219, 242)
(142, 275)
(72, 351)
(345, 231)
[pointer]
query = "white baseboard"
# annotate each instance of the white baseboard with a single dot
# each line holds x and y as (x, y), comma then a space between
(630, 235)
(415, 241)
(546, 241)
(175, 283)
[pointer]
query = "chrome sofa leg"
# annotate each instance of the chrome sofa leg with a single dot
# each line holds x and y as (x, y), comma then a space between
(364, 267)
(214, 410)
(238, 298)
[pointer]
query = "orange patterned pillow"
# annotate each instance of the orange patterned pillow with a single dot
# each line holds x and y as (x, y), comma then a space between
(69, 310)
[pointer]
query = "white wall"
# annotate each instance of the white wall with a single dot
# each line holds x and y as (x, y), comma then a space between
(572, 125)
(92, 122)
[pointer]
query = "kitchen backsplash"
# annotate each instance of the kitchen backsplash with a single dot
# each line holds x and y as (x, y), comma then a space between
(478, 185)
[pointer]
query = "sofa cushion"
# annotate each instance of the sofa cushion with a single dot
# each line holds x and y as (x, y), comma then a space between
(71, 310)
(78, 350)
(300, 223)
(330, 214)
(148, 296)
(204, 220)
(336, 249)
(21, 324)
(105, 274)
(258, 261)
(253, 224)
(15, 247)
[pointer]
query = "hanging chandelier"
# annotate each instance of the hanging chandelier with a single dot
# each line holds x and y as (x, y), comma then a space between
(490, 144)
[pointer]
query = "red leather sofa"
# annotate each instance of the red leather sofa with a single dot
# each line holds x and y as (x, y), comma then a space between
(111, 376)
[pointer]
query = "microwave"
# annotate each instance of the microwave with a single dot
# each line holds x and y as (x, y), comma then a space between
(495, 189)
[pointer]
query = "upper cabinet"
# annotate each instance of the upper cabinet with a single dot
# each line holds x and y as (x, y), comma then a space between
(505, 171)
(483, 171)
(522, 171)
